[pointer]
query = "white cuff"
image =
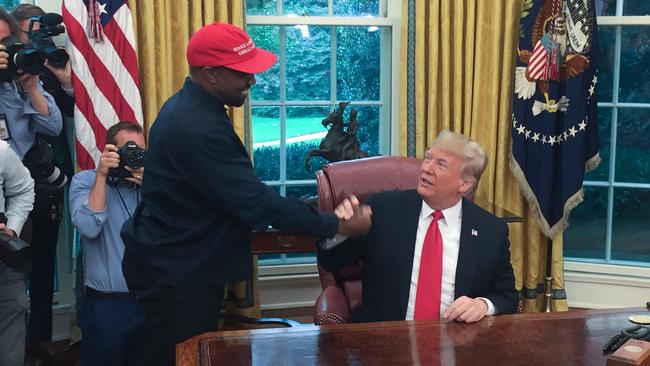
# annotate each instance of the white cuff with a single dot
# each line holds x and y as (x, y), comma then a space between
(332, 242)
(491, 309)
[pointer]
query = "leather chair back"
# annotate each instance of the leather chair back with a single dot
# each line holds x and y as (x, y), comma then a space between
(341, 297)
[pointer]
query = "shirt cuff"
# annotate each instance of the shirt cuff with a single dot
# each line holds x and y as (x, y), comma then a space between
(69, 91)
(491, 309)
(332, 242)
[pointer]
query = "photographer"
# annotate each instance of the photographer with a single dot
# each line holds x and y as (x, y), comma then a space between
(50, 157)
(100, 201)
(15, 203)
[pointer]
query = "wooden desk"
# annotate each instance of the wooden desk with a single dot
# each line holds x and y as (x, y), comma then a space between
(573, 338)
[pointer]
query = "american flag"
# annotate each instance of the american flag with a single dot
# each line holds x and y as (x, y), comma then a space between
(102, 51)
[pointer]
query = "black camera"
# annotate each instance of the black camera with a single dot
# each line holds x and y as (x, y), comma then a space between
(131, 155)
(39, 161)
(30, 58)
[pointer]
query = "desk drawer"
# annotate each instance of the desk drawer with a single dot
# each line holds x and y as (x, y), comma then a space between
(277, 242)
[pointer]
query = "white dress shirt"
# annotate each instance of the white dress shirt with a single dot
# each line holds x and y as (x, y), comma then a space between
(449, 227)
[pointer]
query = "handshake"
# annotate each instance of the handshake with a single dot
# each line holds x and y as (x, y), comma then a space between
(354, 218)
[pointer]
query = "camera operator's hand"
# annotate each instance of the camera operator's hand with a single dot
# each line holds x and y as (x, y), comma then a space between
(63, 74)
(137, 175)
(30, 84)
(7, 230)
(4, 58)
(109, 159)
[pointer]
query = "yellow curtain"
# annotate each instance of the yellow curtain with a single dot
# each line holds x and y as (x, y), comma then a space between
(163, 28)
(463, 81)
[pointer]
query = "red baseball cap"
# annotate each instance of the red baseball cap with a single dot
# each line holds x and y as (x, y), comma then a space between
(221, 44)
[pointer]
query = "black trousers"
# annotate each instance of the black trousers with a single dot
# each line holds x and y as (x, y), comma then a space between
(173, 315)
(45, 219)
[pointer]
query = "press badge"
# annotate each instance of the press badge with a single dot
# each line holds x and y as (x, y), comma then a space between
(4, 128)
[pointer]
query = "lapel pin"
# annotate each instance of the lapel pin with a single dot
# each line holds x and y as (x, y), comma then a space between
(474, 233)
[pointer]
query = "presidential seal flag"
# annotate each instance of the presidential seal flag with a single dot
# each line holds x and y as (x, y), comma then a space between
(554, 131)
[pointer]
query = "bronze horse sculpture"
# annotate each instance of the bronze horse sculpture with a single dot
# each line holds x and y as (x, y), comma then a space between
(341, 142)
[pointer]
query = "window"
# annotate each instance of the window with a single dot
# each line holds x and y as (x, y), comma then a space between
(330, 51)
(612, 225)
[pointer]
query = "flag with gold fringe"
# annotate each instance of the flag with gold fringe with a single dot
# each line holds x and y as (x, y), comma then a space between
(554, 131)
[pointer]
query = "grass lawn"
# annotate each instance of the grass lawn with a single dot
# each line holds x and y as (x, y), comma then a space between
(268, 128)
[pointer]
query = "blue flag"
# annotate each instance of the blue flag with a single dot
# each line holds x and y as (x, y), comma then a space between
(554, 131)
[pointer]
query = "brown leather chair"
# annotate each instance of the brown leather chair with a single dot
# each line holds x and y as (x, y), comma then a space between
(340, 300)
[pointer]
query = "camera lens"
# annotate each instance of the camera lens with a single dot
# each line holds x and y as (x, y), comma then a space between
(29, 60)
(57, 57)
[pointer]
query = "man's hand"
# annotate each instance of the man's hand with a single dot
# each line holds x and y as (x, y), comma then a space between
(63, 74)
(7, 230)
(109, 159)
(136, 175)
(465, 309)
(28, 83)
(354, 218)
(4, 58)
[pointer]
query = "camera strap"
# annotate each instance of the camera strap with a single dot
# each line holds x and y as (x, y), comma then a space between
(126, 208)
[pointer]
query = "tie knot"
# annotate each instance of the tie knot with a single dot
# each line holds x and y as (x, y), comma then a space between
(437, 215)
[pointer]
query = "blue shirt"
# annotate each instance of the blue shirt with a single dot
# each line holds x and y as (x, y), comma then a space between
(100, 230)
(24, 121)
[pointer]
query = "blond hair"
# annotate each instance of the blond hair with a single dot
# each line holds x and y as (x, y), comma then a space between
(470, 151)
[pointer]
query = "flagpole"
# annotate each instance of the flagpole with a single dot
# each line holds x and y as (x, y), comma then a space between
(549, 275)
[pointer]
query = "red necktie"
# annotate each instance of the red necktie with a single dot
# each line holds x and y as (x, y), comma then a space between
(427, 299)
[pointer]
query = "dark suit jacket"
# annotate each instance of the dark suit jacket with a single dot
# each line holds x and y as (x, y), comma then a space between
(483, 268)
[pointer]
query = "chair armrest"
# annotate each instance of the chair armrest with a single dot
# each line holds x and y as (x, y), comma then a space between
(331, 307)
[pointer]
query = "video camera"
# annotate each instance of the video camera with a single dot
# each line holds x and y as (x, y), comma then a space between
(131, 155)
(30, 58)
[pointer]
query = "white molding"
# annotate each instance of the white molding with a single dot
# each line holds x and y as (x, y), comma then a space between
(603, 286)
(291, 291)
(623, 20)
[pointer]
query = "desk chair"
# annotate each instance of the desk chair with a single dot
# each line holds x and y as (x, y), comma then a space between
(340, 300)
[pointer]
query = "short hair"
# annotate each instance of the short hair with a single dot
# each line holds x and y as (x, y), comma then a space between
(25, 11)
(7, 18)
(469, 150)
(121, 126)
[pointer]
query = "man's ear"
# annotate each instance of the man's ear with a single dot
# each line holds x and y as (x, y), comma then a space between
(466, 184)
(209, 74)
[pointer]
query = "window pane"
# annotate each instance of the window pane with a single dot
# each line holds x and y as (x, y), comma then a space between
(304, 7)
(605, 7)
(356, 7)
(605, 139)
(308, 63)
(268, 82)
(604, 88)
(266, 142)
(586, 234)
(635, 58)
(630, 230)
(358, 68)
(261, 7)
(304, 133)
(633, 145)
(636, 7)
(368, 135)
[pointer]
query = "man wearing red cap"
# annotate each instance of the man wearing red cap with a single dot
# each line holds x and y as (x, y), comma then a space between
(190, 234)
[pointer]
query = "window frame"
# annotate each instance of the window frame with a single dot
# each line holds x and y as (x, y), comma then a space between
(389, 19)
(609, 265)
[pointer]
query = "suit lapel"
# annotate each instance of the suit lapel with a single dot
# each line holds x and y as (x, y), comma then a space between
(406, 243)
(466, 265)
